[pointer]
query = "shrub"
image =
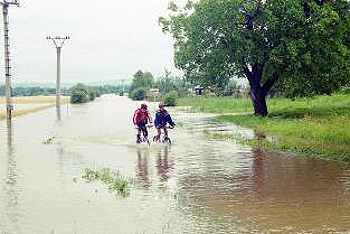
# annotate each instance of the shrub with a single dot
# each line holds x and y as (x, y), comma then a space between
(169, 99)
(139, 94)
(345, 89)
(80, 94)
(92, 95)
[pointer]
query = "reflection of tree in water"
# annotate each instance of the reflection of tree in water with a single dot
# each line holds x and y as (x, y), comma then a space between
(142, 172)
(286, 176)
(259, 169)
(259, 158)
(10, 190)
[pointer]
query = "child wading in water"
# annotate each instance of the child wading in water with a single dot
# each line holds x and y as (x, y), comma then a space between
(162, 119)
(142, 117)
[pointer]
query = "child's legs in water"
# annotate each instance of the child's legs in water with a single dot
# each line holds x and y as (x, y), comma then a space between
(165, 132)
(159, 132)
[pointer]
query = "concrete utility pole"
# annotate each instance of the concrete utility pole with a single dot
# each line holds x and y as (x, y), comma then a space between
(58, 41)
(123, 86)
(5, 5)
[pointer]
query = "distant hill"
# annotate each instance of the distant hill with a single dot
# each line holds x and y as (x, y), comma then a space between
(108, 82)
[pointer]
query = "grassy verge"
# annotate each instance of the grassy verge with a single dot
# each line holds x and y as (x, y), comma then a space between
(316, 126)
(113, 180)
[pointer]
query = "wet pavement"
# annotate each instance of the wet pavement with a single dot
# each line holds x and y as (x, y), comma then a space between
(198, 185)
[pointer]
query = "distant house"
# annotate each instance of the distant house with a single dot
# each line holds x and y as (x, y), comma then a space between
(153, 94)
(198, 89)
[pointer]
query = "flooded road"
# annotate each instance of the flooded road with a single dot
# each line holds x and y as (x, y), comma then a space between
(199, 185)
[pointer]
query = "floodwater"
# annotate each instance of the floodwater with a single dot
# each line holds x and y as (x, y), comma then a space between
(199, 185)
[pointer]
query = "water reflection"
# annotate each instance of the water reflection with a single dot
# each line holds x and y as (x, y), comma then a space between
(58, 113)
(11, 190)
(259, 157)
(142, 170)
(61, 167)
(9, 135)
(163, 164)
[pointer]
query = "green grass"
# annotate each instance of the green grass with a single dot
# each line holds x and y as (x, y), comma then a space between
(112, 179)
(316, 126)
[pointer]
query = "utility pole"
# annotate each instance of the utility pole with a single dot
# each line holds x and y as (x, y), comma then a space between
(5, 5)
(58, 42)
(123, 86)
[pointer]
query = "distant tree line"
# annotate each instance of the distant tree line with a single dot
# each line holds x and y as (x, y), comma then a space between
(28, 91)
(35, 91)
(166, 88)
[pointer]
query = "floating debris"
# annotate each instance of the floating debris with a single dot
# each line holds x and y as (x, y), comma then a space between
(49, 140)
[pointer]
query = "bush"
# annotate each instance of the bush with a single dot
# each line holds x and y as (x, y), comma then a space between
(80, 94)
(169, 99)
(138, 94)
(92, 95)
(345, 89)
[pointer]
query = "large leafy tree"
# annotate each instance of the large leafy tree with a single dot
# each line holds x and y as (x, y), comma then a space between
(142, 80)
(300, 43)
(168, 83)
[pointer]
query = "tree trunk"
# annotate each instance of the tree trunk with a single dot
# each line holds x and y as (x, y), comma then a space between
(257, 92)
(258, 97)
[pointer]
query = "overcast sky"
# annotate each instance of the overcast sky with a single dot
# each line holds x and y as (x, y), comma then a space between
(110, 39)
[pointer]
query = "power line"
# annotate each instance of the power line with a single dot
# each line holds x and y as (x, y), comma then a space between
(9, 106)
(58, 42)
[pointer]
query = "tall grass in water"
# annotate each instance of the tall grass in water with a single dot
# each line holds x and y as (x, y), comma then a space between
(112, 179)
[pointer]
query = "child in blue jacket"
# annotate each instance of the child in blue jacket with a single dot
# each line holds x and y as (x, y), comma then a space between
(162, 119)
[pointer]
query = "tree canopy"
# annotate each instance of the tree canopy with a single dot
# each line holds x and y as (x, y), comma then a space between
(142, 80)
(168, 83)
(141, 84)
(302, 44)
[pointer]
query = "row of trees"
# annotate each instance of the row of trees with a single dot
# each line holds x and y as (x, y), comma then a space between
(299, 47)
(28, 91)
(167, 88)
(35, 91)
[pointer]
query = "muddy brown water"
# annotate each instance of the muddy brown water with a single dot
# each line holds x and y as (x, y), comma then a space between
(199, 185)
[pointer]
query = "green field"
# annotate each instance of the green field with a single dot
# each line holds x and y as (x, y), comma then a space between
(317, 126)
